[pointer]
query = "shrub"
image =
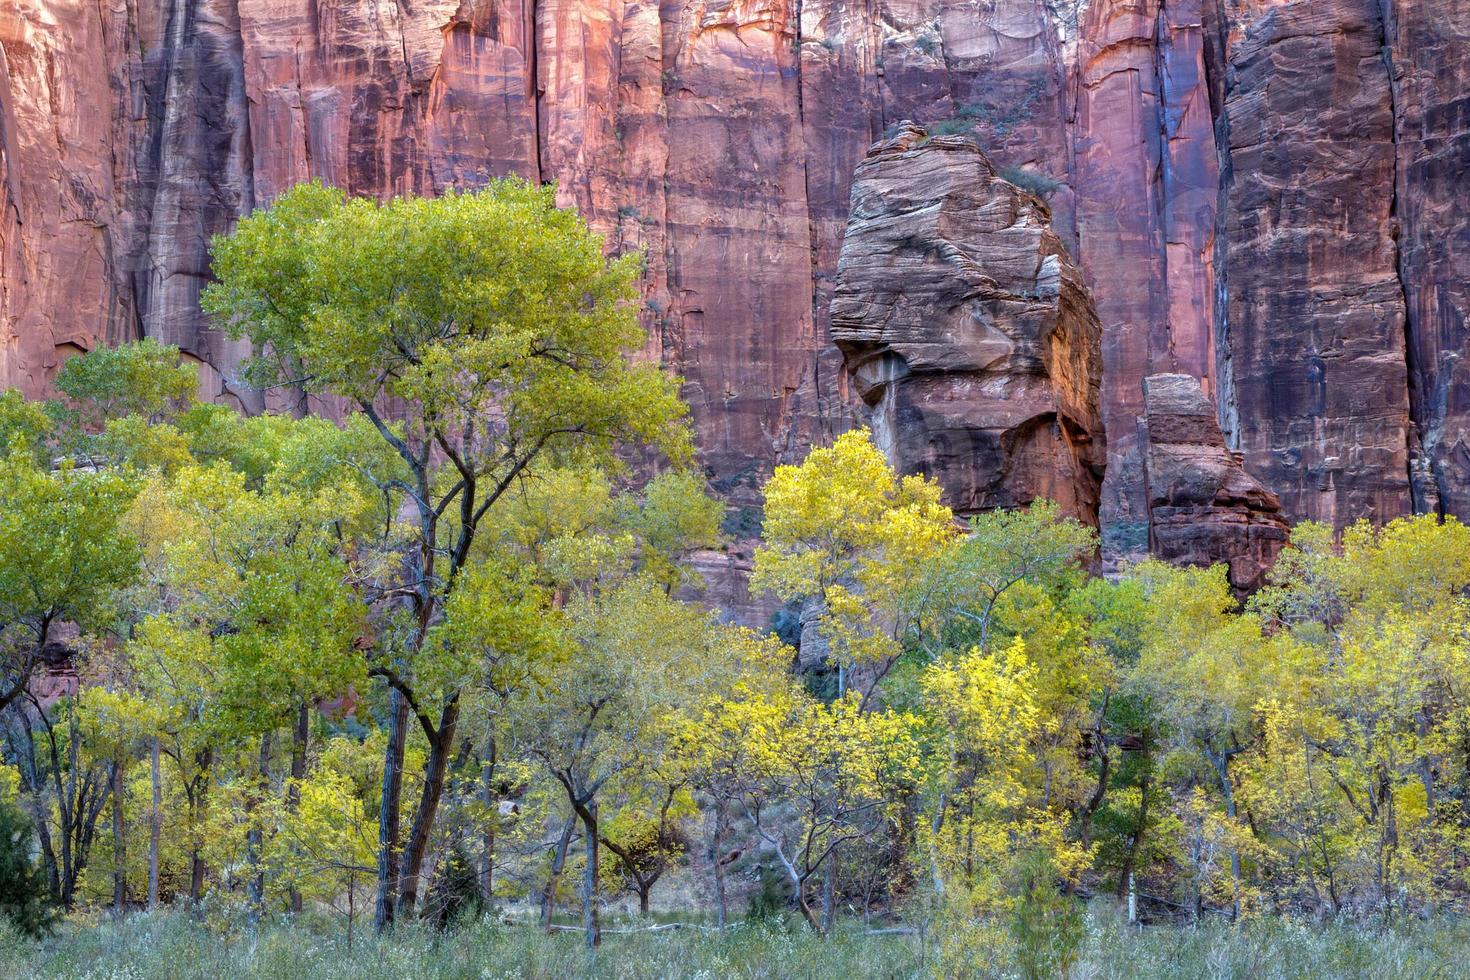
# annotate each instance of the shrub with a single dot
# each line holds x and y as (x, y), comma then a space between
(456, 892)
(771, 902)
(949, 127)
(1034, 181)
(25, 900)
(1045, 925)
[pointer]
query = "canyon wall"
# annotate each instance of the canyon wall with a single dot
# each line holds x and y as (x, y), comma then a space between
(1267, 195)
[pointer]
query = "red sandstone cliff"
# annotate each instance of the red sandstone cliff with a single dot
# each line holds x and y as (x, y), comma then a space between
(1269, 196)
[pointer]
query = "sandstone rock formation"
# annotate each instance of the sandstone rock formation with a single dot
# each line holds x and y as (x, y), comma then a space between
(967, 329)
(1265, 194)
(1313, 342)
(1202, 505)
(1147, 177)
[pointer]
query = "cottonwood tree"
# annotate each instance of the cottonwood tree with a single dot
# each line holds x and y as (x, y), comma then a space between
(715, 745)
(645, 833)
(1207, 668)
(250, 616)
(144, 379)
(635, 659)
(64, 558)
(1357, 773)
(843, 530)
(490, 326)
(961, 593)
(25, 427)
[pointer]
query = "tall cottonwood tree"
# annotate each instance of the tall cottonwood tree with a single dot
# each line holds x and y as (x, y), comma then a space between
(482, 335)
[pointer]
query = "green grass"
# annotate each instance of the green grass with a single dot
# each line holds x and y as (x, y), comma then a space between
(171, 945)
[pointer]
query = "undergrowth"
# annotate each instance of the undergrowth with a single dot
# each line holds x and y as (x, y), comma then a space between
(174, 945)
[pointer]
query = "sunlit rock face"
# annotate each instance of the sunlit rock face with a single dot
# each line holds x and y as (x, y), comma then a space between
(967, 329)
(1267, 195)
(1203, 507)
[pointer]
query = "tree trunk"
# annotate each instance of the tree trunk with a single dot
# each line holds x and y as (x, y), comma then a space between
(1104, 770)
(492, 818)
(590, 924)
(155, 829)
(255, 836)
(1136, 844)
(388, 811)
(65, 795)
(1221, 762)
(558, 861)
(119, 840)
(203, 760)
(806, 909)
(719, 841)
(423, 819)
(829, 894)
(300, 738)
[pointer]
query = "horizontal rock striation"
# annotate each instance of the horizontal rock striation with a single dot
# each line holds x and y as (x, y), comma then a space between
(966, 328)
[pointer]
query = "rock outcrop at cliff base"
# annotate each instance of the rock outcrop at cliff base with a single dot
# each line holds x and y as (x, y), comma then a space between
(1202, 505)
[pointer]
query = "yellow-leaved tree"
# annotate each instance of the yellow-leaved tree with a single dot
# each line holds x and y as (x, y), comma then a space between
(845, 535)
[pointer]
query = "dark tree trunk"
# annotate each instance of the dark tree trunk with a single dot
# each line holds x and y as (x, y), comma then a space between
(255, 837)
(718, 848)
(203, 760)
(119, 841)
(155, 828)
(487, 797)
(300, 738)
(590, 923)
(1130, 860)
(388, 812)
(423, 820)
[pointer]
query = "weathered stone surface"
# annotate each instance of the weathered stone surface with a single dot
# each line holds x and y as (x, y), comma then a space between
(1315, 388)
(967, 329)
(1429, 60)
(63, 191)
(1265, 194)
(1147, 180)
(1202, 505)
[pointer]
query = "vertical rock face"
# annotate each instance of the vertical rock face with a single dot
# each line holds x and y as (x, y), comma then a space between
(1267, 195)
(1429, 63)
(1147, 180)
(1313, 309)
(65, 87)
(1202, 505)
(967, 329)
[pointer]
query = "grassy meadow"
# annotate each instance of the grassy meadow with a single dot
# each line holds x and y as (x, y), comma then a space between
(176, 946)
